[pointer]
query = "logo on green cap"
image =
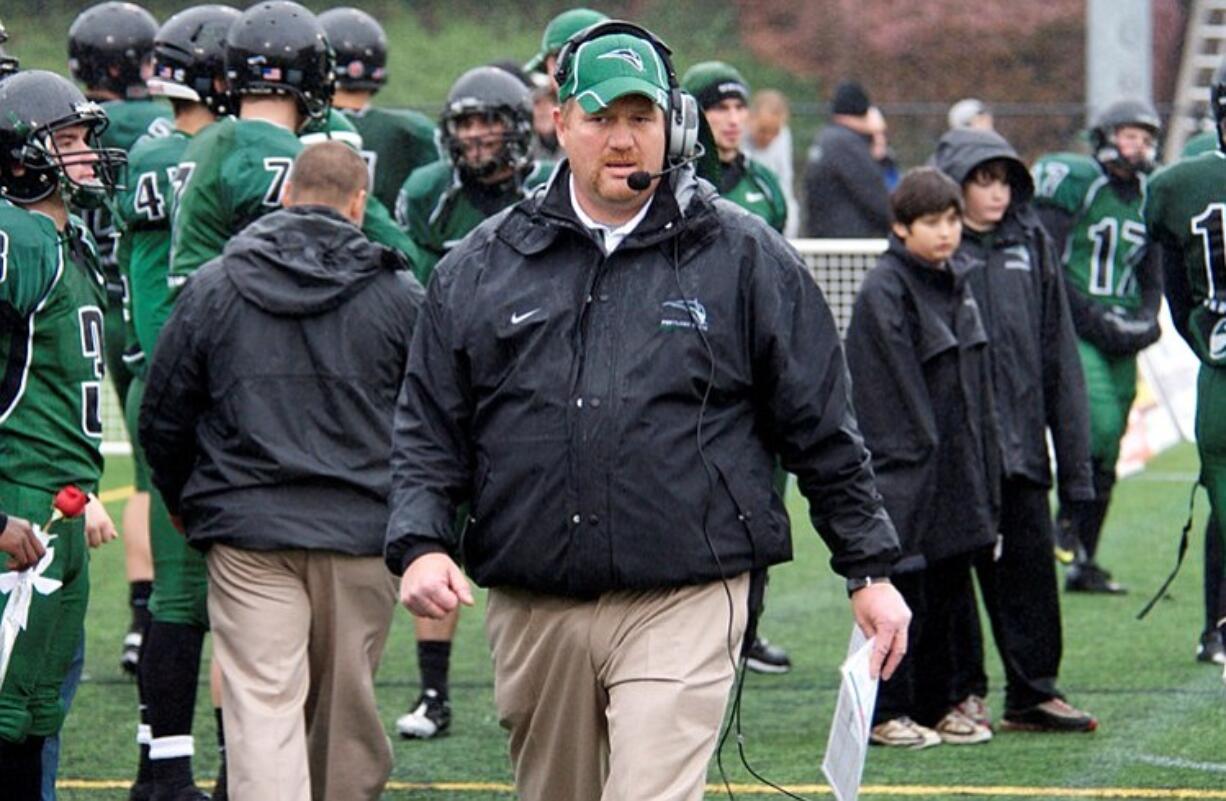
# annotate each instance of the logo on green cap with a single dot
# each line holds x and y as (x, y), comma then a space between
(604, 69)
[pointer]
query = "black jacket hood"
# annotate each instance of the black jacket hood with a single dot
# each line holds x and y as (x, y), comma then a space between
(303, 261)
(961, 150)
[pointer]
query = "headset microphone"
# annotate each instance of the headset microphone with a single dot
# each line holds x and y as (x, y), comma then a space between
(640, 180)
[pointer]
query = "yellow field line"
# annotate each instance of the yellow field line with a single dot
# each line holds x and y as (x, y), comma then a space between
(900, 790)
(117, 494)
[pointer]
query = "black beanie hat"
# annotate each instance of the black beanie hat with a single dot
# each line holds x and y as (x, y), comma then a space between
(850, 99)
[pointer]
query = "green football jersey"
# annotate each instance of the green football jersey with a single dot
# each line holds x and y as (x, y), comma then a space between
(1108, 230)
(144, 209)
(755, 188)
(1185, 211)
(394, 143)
(52, 299)
(234, 172)
(1203, 142)
(438, 210)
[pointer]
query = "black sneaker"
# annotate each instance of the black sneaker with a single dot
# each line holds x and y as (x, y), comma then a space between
(189, 792)
(1089, 577)
(1053, 715)
(763, 657)
(431, 717)
(141, 791)
(1211, 648)
(129, 659)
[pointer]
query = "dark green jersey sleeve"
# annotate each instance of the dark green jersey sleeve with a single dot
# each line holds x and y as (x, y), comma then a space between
(394, 144)
(1063, 179)
(29, 260)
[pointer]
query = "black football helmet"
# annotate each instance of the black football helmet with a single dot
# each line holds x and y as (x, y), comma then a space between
(495, 95)
(109, 44)
(189, 57)
(37, 104)
(8, 64)
(277, 47)
(1135, 113)
(360, 46)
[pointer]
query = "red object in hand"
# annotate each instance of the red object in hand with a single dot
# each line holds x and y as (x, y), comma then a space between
(70, 501)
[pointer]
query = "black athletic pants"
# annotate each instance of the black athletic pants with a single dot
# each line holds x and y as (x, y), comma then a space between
(1022, 597)
(922, 686)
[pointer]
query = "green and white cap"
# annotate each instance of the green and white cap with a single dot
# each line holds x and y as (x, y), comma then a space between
(612, 66)
(561, 28)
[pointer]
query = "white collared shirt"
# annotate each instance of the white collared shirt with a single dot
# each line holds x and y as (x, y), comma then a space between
(610, 237)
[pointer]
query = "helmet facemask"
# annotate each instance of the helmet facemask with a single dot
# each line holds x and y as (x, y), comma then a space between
(47, 167)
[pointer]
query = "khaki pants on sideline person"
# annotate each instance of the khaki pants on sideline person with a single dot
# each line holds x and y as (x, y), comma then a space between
(619, 698)
(298, 635)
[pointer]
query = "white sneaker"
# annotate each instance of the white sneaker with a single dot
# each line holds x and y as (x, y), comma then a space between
(958, 729)
(903, 733)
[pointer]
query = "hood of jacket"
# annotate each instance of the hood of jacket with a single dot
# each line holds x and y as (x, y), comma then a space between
(961, 150)
(303, 261)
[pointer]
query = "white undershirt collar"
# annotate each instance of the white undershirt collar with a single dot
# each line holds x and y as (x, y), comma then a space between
(610, 237)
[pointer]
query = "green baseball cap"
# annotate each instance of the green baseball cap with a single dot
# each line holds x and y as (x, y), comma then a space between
(561, 28)
(712, 81)
(612, 66)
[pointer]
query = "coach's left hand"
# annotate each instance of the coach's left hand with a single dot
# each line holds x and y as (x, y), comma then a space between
(881, 612)
(98, 526)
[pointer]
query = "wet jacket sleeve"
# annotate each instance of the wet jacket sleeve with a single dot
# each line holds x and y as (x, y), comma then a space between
(804, 390)
(1064, 387)
(431, 457)
(176, 396)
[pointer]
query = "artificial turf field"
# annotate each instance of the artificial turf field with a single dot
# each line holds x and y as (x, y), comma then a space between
(1162, 716)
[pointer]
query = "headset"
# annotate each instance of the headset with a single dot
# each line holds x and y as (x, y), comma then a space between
(681, 130)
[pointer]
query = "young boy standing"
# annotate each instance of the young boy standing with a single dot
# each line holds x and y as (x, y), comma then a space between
(1038, 383)
(921, 383)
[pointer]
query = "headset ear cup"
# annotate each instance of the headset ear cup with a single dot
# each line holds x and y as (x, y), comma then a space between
(683, 125)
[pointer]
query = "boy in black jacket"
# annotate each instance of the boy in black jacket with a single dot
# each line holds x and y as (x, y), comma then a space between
(1038, 383)
(921, 386)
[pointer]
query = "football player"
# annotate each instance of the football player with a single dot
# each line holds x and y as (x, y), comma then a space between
(52, 301)
(394, 142)
(188, 70)
(486, 131)
(1185, 214)
(1092, 208)
(723, 96)
(109, 51)
(281, 67)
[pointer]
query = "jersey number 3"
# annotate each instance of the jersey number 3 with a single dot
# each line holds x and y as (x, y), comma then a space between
(91, 391)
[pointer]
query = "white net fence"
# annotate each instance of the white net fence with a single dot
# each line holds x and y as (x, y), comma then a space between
(837, 264)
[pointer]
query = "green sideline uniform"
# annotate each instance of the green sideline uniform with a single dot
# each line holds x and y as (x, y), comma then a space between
(438, 210)
(394, 143)
(1186, 215)
(52, 298)
(756, 189)
(234, 172)
(144, 210)
(1106, 238)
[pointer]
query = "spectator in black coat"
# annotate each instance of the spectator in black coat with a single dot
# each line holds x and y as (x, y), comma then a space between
(845, 191)
(921, 385)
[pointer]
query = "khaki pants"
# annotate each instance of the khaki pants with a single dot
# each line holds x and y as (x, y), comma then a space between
(298, 635)
(619, 698)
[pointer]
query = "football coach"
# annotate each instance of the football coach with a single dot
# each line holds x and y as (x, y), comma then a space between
(604, 373)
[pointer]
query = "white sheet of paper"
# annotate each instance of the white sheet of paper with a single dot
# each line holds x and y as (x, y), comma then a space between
(847, 747)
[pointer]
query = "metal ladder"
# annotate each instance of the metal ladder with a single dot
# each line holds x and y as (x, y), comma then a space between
(1204, 49)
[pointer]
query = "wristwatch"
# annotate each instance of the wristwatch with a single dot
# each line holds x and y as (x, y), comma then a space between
(854, 584)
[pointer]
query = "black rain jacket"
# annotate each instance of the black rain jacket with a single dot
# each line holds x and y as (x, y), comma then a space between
(268, 415)
(922, 385)
(845, 193)
(1020, 288)
(560, 393)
